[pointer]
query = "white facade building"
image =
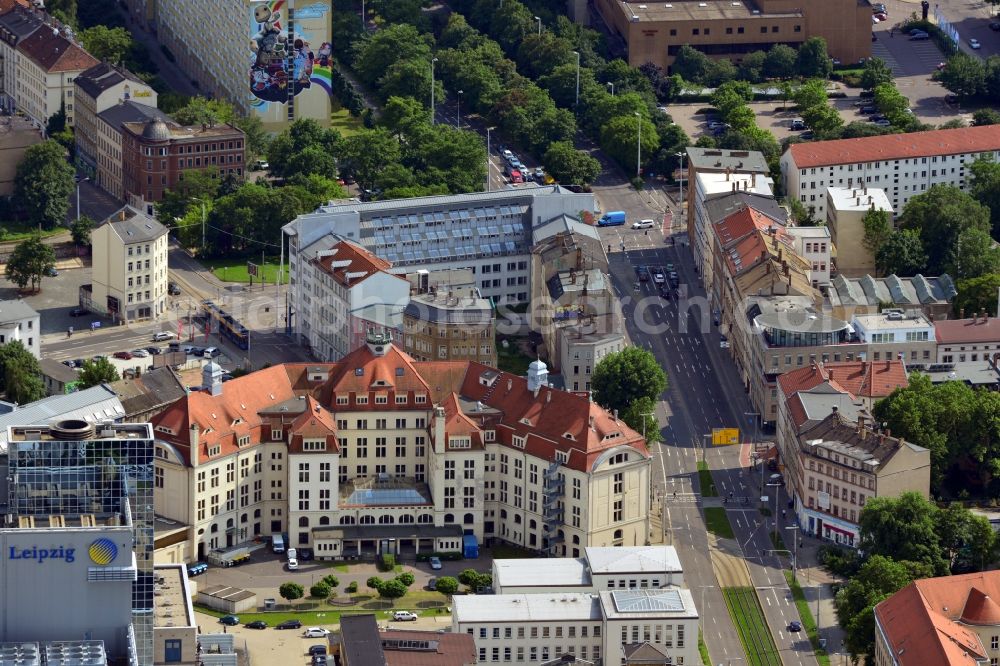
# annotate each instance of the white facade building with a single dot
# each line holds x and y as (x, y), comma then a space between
(604, 626)
(904, 165)
(813, 244)
(487, 232)
(601, 568)
(130, 266)
(19, 321)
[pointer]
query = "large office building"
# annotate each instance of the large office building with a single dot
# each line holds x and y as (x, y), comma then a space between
(605, 627)
(904, 165)
(655, 31)
(79, 505)
(490, 233)
(272, 59)
(379, 452)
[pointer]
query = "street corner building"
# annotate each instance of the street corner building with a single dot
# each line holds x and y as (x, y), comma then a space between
(381, 453)
(77, 544)
(273, 59)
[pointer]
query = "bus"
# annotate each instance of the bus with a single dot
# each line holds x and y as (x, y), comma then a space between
(225, 324)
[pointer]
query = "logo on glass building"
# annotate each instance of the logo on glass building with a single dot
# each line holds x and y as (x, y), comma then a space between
(103, 551)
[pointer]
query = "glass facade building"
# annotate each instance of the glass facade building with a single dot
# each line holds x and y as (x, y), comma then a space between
(73, 468)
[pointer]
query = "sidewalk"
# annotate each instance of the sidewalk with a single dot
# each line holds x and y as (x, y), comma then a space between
(816, 584)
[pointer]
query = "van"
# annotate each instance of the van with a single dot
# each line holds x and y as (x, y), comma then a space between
(197, 568)
(278, 543)
(211, 352)
(615, 218)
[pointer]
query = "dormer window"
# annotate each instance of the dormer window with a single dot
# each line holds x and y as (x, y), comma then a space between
(526, 422)
(237, 421)
(490, 435)
(399, 372)
(381, 399)
(562, 456)
(214, 451)
(518, 441)
(165, 429)
(569, 436)
(459, 443)
(276, 434)
(401, 399)
(314, 446)
(361, 400)
(420, 399)
(242, 441)
(342, 400)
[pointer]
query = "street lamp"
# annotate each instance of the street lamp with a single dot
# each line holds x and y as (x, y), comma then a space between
(489, 185)
(612, 86)
(644, 415)
(638, 151)
(775, 513)
(78, 181)
(577, 53)
(539, 19)
(363, 24)
(458, 113)
(795, 547)
(433, 60)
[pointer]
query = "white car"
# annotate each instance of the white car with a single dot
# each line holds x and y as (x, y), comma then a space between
(315, 632)
(139, 353)
(643, 224)
(974, 43)
(164, 335)
(293, 564)
(404, 616)
(507, 155)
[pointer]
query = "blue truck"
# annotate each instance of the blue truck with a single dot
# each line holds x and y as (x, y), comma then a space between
(615, 218)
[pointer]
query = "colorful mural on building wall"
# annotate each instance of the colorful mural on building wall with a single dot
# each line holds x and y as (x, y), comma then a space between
(290, 66)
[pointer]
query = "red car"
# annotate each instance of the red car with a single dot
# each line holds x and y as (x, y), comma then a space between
(123, 355)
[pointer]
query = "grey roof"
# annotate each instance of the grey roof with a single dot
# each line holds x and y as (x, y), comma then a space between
(914, 291)
(20, 23)
(632, 559)
(543, 572)
(57, 371)
(457, 310)
(137, 227)
(93, 405)
(562, 224)
(817, 404)
(720, 159)
(722, 205)
(360, 640)
(15, 310)
(148, 391)
(102, 76)
(973, 373)
(130, 112)
(444, 200)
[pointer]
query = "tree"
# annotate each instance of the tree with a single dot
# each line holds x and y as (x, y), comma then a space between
(623, 377)
(751, 68)
(893, 105)
(903, 528)
(375, 54)
(810, 94)
(374, 583)
(975, 256)
(985, 188)
(986, 117)
(731, 95)
(43, 183)
(878, 228)
(641, 417)
(803, 216)
(291, 591)
(859, 129)
(29, 261)
(20, 374)
(954, 123)
(875, 73)
(879, 578)
(56, 122)
(975, 294)
(813, 60)
(691, 64)
(366, 153)
(97, 372)
(963, 75)
(331, 581)
(779, 63)
(202, 111)
(824, 120)
(406, 578)
(80, 230)
(570, 166)
(940, 215)
(392, 589)
(901, 254)
(107, 44)
(447, 585)
(319, 591)
(256, 138)
(620, 136)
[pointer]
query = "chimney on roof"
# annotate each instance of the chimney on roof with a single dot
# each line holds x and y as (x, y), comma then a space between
(616, 415)
(121, 215)
(193, 440)
(861, 426)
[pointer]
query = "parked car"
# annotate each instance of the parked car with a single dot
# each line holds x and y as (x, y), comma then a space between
(882, 122)
(289, 624)
(867, 110)
(173, 289)
(916, 31)
(539, 175)
(974, 44)
(724, 342)
(261, 165)
(404, 616)
(659, 277)
(643, 224)
(77, 312)
(69, 363)
(319, 660)
(808, 135)
(140, 353)
(507, 155)
(293, 564)
(256, 624)
(77, 362)
(316, 632)
(882, 16)
(795, 626)
(163, 336)
(995, 26)
(123, 355)
(230, 620)
(154, 350)
(716, 124)
(642, 273)
(674, 279)
(52, 272)
(432, 584)
(435, 563)
(797, 124)
(920, 37)
(305, 554)
(316, 649)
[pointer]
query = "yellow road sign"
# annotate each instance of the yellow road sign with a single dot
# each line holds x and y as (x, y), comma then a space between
(725, 436)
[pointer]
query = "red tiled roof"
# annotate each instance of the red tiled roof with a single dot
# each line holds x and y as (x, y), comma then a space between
(349, 264)
(896, 146)
(452, 649)
(796, 410)
(740, 224)
(55, 53)
(862, 379)
(922, 625)
(980, 609)
(967, 331)
(550, 420)
(7, 5)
